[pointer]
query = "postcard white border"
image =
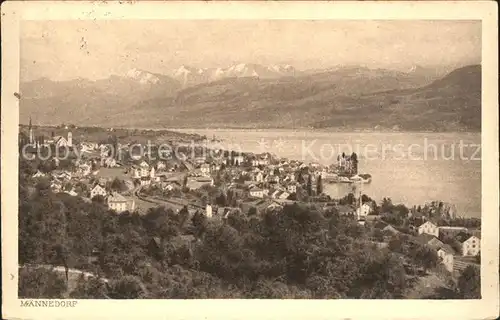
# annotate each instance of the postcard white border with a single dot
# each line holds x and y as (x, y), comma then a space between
(486, 308)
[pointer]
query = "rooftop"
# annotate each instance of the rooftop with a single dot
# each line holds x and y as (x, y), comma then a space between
(452, 228)
(424, 238)
(116, 197)
(448, 249)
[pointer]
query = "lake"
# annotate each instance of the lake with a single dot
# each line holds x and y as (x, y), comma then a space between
(410, 168)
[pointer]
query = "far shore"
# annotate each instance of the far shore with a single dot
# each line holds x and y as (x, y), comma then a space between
(302, 129)
(275, 129)
(335, 130)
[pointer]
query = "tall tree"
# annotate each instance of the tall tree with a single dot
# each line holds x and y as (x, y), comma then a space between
(354, 161)
(113, 142)
(300, 178)
(426, 257)
(199, 221)
(386, 205)
(229, 197)
(469, 283)
(218, 179)
(183, 217)
(221, 200)
(319, 185)
(118, 185)
(309, 185)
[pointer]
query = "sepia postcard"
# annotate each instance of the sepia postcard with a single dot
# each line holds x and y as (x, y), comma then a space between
(250, 160)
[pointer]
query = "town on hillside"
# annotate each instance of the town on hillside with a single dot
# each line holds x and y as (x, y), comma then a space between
(219, 186)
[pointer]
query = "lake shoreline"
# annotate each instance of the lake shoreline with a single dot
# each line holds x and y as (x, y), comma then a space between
(320, 130)
(258, 129)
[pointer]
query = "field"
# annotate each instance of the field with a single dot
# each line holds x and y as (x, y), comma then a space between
(112, 173)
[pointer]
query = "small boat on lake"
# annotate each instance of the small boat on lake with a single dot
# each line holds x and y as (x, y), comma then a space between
(365, 177)
(360, 178)
(344, 180)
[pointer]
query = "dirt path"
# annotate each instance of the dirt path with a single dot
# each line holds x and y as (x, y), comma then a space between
(73, 275)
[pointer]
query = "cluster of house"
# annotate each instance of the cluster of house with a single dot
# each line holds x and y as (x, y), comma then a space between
(259, 181)
(429, 234)
(84, 171)
(66, 181)
(81, 171)
(260, 177)
(60, 181)
(252, 176)
(267, 182)
(114, 200)
(266, 177)
(470, 245)
(144, 174)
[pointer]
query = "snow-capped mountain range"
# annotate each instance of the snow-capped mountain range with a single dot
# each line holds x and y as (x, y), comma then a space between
(186, 76)
(189, 75)
(142, 98)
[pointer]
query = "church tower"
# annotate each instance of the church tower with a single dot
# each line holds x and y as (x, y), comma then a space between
(32, 139)
(70, 139)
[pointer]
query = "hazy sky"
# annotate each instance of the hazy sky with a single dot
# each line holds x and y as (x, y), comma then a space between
(93, 49)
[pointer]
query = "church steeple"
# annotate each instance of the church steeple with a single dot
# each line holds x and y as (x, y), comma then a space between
(32, 140)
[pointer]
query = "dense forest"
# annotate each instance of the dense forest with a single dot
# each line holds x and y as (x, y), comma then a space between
(296, 252)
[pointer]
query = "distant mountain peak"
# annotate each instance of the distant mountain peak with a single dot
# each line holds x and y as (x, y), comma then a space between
(415, 69)
(182, 71)
(143, 77)
(239, 67)
(191, 76)
(241, 70)
(282, 69)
